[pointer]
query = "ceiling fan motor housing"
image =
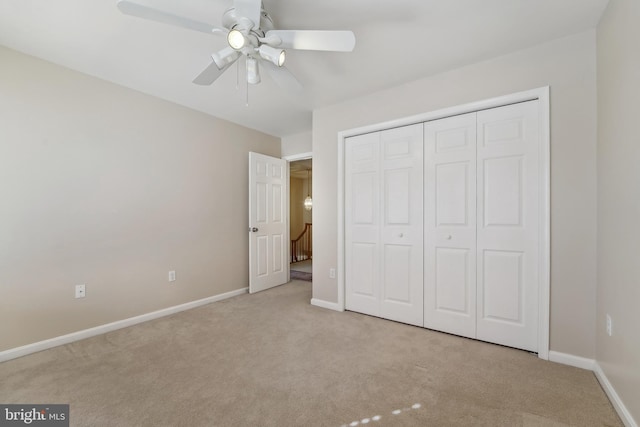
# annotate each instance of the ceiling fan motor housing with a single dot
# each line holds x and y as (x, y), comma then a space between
(231, 20)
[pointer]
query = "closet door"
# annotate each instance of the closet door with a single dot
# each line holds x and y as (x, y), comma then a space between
(450, 225)
(402, 233)
(383, 224)
(508, 225)
(362, 223)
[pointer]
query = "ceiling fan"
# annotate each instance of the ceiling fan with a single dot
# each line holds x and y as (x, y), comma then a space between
(250, 34)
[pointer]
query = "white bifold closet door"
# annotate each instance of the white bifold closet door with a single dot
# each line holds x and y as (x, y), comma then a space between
(384, 224)
(508, 218)
(450, 225)
(482, 225)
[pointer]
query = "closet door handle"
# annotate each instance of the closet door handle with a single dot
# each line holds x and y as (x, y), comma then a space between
(448, 237)
(401, 235)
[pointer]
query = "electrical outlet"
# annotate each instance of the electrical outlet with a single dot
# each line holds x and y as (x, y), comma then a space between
(609, 325)
(172, 276)
(80, 291)
(332, 273)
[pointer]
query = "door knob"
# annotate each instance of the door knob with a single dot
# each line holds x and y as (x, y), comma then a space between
(448, 237)
(401, 235)
(253, 229)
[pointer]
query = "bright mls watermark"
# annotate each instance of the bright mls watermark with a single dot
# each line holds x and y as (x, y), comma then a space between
(34, 415)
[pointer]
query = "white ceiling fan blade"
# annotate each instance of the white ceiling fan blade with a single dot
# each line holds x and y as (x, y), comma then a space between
(336, 41)
(211, 73)
(145, 12)
(282, 77)
(249, 9)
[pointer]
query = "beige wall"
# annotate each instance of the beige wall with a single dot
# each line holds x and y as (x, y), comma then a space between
(568, 66)
(296, 144)
(619, 199)
(108, 187)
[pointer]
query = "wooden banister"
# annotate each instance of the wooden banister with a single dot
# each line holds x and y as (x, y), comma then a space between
(301, 246)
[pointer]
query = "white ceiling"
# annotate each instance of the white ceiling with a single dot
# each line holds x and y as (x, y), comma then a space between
(397, 41)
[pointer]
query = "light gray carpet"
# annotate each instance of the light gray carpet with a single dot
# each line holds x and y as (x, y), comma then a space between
(301, 275)
(304, 266)
(271, 359)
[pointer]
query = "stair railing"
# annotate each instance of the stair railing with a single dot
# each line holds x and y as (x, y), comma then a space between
(301, 247)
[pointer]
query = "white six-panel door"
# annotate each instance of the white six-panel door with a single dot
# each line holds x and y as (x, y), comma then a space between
(268, 243)
(508, 225)
(384, 236)
(450, 225)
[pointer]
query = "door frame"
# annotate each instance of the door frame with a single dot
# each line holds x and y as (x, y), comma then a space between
(293, 158)
(544, 286)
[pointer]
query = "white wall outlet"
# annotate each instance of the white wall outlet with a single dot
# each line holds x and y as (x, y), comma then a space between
(172, 276)
(609, 325)
(332, 273)
(80, 291)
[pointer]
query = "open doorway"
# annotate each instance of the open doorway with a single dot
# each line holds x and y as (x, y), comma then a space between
(300, 219)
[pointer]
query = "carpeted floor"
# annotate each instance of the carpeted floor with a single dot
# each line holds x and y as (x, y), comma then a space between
(301, 275)
(305, 266)
(271, 359)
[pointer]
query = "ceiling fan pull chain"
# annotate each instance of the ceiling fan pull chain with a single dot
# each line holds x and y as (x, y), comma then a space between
(237, 75)
(247, 79)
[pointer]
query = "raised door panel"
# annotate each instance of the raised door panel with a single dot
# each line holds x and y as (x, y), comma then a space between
(262, 206)
(262, 256)
(397, 189)
(503, 290)
(364, 266)
(449, 223)
(453, 280)
(278, 246)
(402, 232)
(503, 191)
(452, 194)
(508, 225)
(278, 218)
(397, 274)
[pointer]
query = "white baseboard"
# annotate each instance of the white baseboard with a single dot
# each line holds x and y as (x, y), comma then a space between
(592, 365)
(617, 403)
(571, 360)
(102, 329)
(326, 304)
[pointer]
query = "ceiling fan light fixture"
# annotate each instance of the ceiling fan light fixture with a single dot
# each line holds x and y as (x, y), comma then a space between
(272, 54)
(236, 39)
(225, 57)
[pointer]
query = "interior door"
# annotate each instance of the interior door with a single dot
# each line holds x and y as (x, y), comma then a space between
(450, 225)
(508, 225)
(362, 219)
(402, 236)
(384, 227)
(268, 243)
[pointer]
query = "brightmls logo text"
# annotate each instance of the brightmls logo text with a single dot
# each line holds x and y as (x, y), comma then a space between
(34, 415)
(28, 417)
